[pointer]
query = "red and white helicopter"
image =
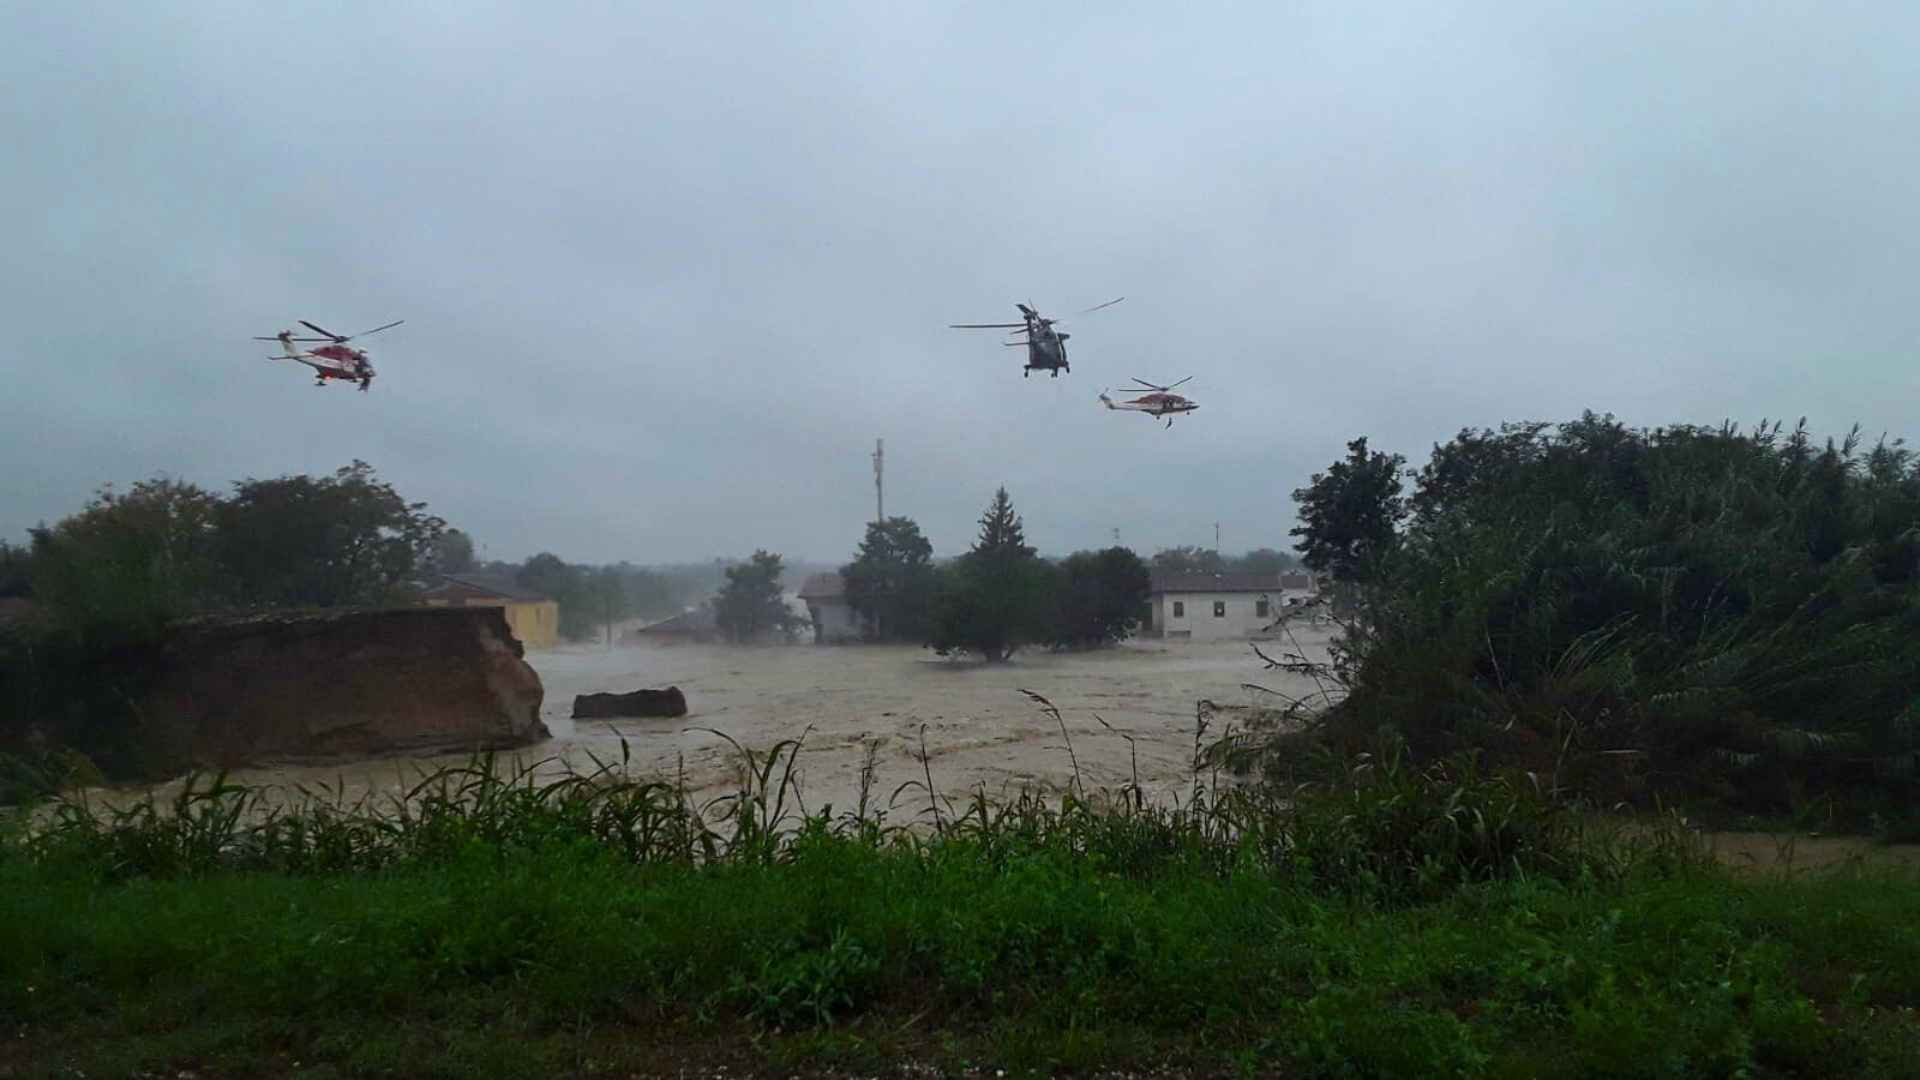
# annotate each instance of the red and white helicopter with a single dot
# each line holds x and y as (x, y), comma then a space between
(1161, 402)
(334, 360)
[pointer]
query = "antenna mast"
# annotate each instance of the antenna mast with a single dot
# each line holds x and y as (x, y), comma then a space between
(879, 492)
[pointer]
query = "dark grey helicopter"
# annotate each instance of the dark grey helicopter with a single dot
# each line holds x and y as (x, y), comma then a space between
(1046, 347)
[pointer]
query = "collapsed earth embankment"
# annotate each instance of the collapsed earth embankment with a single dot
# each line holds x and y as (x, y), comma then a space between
(229, 690)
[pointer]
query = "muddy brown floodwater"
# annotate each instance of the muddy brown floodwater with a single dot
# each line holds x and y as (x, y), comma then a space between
(979, 728)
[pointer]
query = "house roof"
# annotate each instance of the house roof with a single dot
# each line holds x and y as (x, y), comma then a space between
(1296, 579)
(827, 586)
(1196, 583)
(489, 584)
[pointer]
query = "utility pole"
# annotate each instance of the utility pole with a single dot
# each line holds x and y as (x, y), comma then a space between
(879, 492)
(1116, 536)
(1216, 538)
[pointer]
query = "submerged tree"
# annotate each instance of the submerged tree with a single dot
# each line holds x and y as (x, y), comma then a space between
(566, 585)
(891, 579)
(1188, 560)
(751, 604)
(1265, 561)
(999, 595)
(1103, 597)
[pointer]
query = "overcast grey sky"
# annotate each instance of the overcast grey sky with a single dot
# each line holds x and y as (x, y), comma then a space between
(668, 271)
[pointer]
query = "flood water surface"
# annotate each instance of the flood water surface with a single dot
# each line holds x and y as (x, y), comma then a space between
(979, 729)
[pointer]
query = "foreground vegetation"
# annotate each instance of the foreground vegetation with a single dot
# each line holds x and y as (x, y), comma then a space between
(1392, 922)
(1729, 617)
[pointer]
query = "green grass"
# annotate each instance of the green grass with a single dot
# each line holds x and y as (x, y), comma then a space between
(487, 965)
(1436, 922)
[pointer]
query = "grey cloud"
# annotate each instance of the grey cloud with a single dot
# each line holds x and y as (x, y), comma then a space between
(667, 273)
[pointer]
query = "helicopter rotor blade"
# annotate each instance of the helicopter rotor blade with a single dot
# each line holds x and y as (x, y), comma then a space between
(985, 325)
(1097, 307)
(377, 329)
(1181, 381)
(1151, 386)
(321, 330)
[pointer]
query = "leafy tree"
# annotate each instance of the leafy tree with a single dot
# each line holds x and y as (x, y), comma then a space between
(751, 604)
(1266, 561)
(1351, 513)
(16, 577)
(452, 553)
(1474, 464)
(137, 557)
(347, 539)
(567, 585)
(1103, 596)
(1188, 560)
(891, 579)
(590, 597)
(999, 595)
(640, 591)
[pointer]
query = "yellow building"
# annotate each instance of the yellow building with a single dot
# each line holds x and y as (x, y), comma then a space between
(533, 618)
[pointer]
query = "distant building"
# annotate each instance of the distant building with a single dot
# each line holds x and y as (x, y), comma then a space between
(533, 618)
(1213, 607)
(697, 625)
(833, 619)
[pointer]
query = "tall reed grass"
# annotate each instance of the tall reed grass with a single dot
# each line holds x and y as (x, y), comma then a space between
(1383, 827)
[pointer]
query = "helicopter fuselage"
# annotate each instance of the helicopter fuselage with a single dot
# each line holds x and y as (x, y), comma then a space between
(1153, 404)
(1046, 348)
(331, 362)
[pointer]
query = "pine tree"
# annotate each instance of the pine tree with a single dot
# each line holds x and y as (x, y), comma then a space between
(1001, 535)
(999, 595)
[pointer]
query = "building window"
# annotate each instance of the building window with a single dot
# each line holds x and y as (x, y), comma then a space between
(1179, 609)
(1260, 608)
(1219, 609)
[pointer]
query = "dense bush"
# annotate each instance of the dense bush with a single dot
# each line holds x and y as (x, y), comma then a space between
(1684, 609)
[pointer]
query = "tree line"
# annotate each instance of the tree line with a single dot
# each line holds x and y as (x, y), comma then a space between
(164, 548)
(996, 598)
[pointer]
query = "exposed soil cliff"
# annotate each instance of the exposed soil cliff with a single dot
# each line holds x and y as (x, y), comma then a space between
(289, 686)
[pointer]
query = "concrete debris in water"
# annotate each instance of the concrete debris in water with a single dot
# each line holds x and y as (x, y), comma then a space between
(668, 702)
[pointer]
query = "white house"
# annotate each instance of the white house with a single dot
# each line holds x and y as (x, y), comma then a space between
(833, 619)
(1213, 607)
